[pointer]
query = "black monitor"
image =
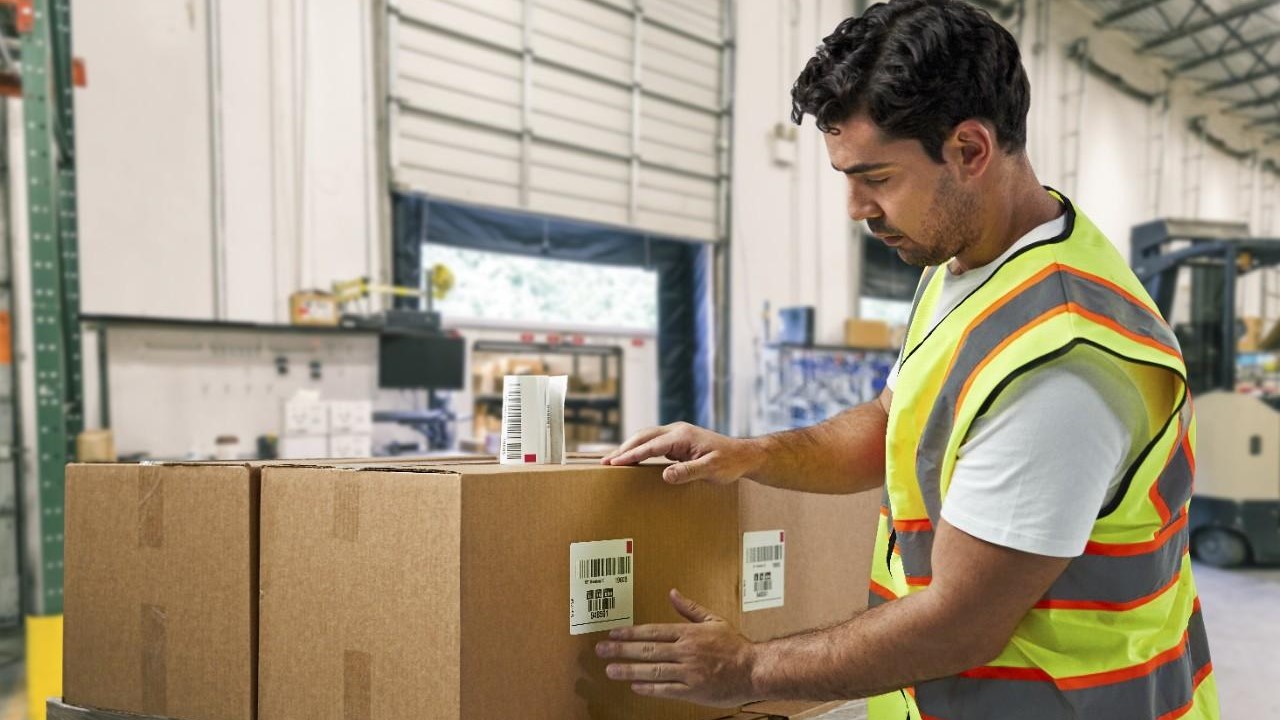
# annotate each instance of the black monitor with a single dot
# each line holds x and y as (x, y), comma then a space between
(408, 359)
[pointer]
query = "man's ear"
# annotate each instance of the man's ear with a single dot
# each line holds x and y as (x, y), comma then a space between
(971, 147)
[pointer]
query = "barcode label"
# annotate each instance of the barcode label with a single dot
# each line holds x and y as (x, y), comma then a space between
(598, 600)
(602, 567)
(768, 553)
(600, 585)
(762, 583)
(513, 423)
(763, 569)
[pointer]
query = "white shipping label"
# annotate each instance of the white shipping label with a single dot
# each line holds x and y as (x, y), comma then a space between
(764, 557)
(533, 419)
(600, 585)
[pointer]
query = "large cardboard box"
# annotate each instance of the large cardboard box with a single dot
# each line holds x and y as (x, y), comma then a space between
(160, 599)
(869, 334)
(445, 591)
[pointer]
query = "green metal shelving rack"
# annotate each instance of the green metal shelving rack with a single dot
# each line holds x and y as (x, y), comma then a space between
(50, 154)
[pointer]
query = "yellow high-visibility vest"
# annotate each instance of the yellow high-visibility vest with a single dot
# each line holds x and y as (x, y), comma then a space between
(1120, 634)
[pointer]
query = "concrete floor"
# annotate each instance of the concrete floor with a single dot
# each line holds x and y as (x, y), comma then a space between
(1241, 609)
(1242, 614)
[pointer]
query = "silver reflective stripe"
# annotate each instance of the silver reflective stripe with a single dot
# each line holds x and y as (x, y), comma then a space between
(1120, 579)
(1165, 689)
(916, 549)
(1052, 291)
(1174, 483)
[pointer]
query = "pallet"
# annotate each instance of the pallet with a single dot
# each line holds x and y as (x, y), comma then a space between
(856, 710)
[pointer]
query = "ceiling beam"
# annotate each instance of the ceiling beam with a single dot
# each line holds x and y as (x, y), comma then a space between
(1263, 121)
(1194, 63)
(1243, 9)
(1256, 102)
(1129, 10)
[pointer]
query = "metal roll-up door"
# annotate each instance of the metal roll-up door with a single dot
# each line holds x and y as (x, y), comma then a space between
(604, 110)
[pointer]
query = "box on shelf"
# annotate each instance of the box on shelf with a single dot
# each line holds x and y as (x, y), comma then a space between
(305, 414)
(384, 586)
(314, 307)
(350, 417)
(870, 334)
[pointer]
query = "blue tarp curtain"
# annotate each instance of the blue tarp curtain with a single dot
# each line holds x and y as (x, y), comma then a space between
(685, 330)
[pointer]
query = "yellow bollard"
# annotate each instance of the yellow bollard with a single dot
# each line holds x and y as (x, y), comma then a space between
(44, 662)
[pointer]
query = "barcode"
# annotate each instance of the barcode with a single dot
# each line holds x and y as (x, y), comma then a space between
(763, 583)
(764, 553)
(600, 600)
(513, 448)
(604, 567)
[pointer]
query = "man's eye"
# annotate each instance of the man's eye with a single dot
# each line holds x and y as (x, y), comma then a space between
(877, 181)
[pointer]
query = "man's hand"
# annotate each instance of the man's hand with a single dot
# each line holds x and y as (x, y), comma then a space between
(701, 454)
(706, 662)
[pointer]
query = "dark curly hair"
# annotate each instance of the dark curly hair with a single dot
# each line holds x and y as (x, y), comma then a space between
(918, 68)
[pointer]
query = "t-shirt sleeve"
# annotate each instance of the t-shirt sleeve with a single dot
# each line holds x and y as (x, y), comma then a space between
(1035, 470)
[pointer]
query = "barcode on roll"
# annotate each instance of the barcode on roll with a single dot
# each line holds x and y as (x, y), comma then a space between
(764, 553)
(763, 583)
(514, 449)
(604, 567)
(600, 600)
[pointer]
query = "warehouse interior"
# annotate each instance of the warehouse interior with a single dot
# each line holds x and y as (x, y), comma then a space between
(280, 234)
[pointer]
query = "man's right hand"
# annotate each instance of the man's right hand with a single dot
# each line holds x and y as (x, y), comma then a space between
(700, 453)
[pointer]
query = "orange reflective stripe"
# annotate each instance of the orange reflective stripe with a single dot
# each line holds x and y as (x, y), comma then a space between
(1122, 549)
(1080, 682)
(913, 525)
(884, 511)
(882, 591)
(1108, 322)
(1113, 287)
(919, 580)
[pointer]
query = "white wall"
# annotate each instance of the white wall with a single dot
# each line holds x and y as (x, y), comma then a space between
(297, 157)
(792, 241)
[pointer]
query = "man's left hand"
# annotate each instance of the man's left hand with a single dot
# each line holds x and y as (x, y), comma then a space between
(706, 661)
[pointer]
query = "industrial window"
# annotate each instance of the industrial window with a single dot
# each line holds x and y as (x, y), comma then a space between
(495, 286)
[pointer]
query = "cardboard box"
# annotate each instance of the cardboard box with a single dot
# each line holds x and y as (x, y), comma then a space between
(869, 334)
(314, 307)
(160, 600)
(350, 417)
(384, 587)
(94, 446)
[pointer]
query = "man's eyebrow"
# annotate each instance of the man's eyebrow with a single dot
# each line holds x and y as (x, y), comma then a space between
(861, 168)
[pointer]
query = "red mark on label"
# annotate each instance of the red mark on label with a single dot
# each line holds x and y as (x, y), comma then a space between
(628, 547)
(782, 536)
(530, 458)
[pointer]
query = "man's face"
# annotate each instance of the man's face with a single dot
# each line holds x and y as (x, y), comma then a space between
(913, 204)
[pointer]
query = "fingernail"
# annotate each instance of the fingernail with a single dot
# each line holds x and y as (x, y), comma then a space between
(614, 634)
(600, 649)
(611, 671)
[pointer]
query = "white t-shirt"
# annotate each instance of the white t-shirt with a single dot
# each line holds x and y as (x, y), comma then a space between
(1050, 452)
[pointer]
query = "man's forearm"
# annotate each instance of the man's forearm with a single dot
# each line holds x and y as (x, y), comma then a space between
(890, 647)
(841, 455)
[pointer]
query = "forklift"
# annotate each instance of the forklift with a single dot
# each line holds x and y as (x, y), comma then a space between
(1235, 511)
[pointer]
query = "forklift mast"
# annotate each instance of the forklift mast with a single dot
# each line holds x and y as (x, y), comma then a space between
(1216, 254)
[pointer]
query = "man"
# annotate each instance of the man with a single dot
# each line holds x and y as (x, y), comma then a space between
(1035, 440)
